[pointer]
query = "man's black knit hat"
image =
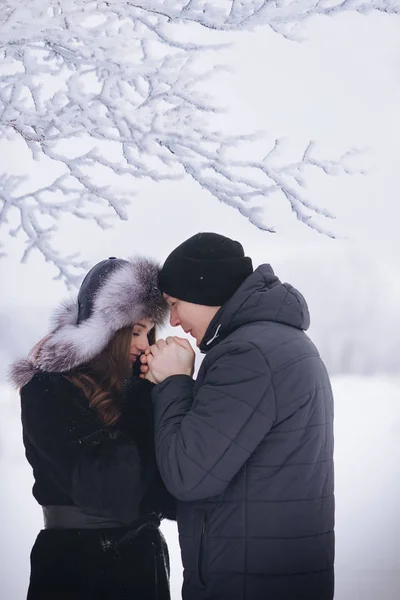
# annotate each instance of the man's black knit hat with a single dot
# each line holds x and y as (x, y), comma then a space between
(206, 269)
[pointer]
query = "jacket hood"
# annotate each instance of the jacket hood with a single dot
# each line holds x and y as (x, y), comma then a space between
(261, 297)
(128, 294)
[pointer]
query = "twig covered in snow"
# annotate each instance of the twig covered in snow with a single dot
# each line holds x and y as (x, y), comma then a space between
(94, 86)
(283, 16)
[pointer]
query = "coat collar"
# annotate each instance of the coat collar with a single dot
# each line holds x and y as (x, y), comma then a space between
(261, 297)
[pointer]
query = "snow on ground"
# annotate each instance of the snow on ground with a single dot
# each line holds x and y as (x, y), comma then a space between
(367, 428)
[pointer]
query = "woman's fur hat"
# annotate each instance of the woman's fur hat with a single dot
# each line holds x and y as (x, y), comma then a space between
(114, 294)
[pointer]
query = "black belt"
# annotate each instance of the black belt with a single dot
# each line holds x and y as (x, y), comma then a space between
(73, 517)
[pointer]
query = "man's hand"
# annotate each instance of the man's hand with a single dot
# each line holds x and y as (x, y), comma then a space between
(173, 356)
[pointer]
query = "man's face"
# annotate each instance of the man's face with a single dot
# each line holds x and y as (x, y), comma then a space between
(193, 318)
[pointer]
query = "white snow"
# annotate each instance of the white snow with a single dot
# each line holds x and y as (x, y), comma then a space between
(367, 428)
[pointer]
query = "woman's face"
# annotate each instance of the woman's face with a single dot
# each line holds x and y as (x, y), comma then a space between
(139, 341)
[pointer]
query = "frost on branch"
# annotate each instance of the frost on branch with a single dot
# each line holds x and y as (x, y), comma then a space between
(110, 90)
(283, 16)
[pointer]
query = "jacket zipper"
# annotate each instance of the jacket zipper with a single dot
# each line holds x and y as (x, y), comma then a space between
(201, 549)
(203, 529)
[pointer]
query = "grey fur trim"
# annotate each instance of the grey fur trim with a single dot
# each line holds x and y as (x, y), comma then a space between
(65, 314)
(21, 372)
(129, 294)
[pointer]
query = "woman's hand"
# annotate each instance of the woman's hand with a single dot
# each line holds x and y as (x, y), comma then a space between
(145, 370)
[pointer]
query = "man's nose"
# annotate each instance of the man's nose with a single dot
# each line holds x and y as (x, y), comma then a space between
(173, 320)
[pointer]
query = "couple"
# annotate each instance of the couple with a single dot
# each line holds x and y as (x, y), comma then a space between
(120, 435)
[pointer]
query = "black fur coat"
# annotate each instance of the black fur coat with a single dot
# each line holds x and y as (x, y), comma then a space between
(106, 471)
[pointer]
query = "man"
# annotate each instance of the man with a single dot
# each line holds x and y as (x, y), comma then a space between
(247, 447)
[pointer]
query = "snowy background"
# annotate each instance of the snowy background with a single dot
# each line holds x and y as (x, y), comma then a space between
(341, 88)
(367, 495)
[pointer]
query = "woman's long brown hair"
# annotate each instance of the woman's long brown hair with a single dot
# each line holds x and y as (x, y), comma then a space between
(102, 379)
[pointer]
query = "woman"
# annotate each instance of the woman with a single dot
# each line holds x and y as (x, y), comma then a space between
(88, 435)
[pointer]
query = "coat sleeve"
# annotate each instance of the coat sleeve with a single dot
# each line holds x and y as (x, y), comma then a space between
(97, 466)
(137, 419)
(203, 439)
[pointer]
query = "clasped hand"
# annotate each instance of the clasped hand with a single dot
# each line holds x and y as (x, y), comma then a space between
(173, 356)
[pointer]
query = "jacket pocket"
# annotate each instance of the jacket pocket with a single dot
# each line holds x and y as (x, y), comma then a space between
(200, 545)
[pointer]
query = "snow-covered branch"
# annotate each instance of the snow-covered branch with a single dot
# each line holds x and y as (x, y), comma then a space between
(283, 16)
(112, 87)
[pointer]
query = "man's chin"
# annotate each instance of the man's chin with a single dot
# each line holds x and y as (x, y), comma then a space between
(198, 342)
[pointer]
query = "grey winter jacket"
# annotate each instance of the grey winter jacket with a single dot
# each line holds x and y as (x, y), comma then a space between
(247, 448)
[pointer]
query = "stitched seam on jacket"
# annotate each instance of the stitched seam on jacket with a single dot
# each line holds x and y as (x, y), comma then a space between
(208, 472)
(240, 399)
(243, 368)
(294, 361)
(251, 501)
(316, 389)
(262, 574)
(269, 537)
(255, 409)
(271, 379)
(203, 469)
(282, 466)
(282, 303)
(233, 440)
(302, 428)
(301, 336)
